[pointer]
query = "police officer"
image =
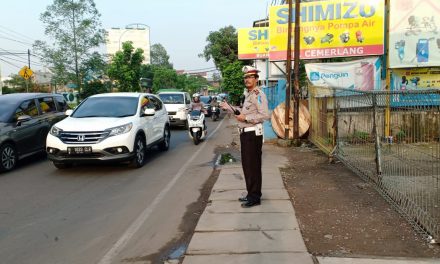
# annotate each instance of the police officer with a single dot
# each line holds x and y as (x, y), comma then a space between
(250, 123)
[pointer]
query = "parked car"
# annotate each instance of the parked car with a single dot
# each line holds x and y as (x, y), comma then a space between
(25, 120)
(206, 99)
(176, 104)
(110, 127)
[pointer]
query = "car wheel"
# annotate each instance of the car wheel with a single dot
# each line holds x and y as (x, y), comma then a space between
(165, 144)
(8, 157)
(139, 150)
(61, 165)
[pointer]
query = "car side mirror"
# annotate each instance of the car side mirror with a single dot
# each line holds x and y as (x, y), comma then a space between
(149, 112)
(69, 112)
(22, 119)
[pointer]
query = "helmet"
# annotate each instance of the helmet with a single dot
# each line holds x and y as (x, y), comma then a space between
(196, 95)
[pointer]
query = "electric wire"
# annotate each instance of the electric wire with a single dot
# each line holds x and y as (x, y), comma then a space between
(17, 33)
(10, 63)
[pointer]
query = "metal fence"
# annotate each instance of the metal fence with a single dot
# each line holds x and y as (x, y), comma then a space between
(390, 138)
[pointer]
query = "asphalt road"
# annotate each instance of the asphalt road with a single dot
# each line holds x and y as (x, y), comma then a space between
(102, 213)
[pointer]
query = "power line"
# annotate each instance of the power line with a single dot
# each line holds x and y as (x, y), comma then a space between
(21, 42)
(17, 33)
(23, 61)
(10, 63)
(210, 68)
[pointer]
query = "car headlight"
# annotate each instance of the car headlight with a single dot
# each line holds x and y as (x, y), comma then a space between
(120, 129)
(55, 131)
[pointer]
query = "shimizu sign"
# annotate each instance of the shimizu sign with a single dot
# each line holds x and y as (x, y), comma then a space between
(253, 43)
(333, 28)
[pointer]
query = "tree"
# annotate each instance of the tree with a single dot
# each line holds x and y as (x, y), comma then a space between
(159, 56)
(164, 78)
(233, 80)
(93, 87)
(222, 47)
(94, 67)
(75, 29)
(18, 84)
(125, 67)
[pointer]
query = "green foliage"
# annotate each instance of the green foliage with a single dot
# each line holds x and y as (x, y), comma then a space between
(226, 157)
(401, 135)
(18, 84)
(75, 30)
(126, 67)
(361, 135)
(94, 67)
(222, 47)
(233, 81)
(164, 78)
(160, 57)
(95, 87)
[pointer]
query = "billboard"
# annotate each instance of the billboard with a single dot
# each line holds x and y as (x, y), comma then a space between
(333, 28)
(361, 74)
(253, 43)
(414, 33)
(415, 79)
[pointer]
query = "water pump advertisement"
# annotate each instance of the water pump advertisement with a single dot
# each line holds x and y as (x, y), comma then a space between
(414, 33)
(328, 29)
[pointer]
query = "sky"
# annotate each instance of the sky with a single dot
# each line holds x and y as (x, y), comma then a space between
(181, 26)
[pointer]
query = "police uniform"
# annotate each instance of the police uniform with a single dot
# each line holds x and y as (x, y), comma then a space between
(255, 109)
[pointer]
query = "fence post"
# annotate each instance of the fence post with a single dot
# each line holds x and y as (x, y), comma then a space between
(376, 138)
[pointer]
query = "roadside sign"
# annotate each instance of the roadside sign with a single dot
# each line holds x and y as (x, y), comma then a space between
(25, 72)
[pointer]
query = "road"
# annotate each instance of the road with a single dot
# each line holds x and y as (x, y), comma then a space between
(103, 213)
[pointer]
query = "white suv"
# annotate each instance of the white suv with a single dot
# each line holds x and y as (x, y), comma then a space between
(110, 127)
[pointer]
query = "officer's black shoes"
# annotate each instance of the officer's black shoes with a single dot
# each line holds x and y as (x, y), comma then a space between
(243, 199)
(249, 204)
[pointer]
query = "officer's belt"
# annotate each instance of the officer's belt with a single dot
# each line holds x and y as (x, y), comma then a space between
(246, 129)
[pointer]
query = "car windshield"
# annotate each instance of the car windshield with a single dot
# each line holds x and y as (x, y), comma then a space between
(205, 99)
(107, 107)
(6, 110)
(171, 98)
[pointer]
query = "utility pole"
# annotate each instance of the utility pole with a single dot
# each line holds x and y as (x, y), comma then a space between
(296, 72)
(29, 66)
(29, 58)
(288, 72)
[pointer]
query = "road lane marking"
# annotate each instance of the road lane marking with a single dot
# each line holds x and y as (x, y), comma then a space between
(140, 220)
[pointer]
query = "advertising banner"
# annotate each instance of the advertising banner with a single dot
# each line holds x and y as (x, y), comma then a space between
(253, 43)
(414, 33)
(333, 28)
(415, 79)
(357, 75)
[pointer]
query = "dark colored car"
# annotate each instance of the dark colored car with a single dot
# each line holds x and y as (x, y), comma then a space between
(206, 101)
(25, 120)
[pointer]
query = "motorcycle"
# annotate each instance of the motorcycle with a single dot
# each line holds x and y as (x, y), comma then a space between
(215, 113)
(196, 126)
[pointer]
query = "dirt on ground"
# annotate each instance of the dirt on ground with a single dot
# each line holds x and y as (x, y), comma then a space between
(341, 215)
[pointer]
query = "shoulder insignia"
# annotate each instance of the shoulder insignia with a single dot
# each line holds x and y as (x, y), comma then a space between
(256, 91)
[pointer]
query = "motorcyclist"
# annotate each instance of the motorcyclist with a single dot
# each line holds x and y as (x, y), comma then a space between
(196, 104)
(215, 103)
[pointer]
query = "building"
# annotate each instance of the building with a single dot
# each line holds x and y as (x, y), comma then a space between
(139, 34)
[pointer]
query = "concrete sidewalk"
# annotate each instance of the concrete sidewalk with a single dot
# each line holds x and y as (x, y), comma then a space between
(269, 233)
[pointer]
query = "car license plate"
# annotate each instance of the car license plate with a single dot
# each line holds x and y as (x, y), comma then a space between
(79, 150)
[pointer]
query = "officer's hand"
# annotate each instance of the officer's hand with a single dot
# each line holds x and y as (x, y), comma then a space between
(241, 117)
(223, 105)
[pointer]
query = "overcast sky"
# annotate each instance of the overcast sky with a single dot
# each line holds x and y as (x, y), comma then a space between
(181, 26)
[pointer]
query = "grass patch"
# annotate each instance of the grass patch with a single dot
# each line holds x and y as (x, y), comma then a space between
(227, 157)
